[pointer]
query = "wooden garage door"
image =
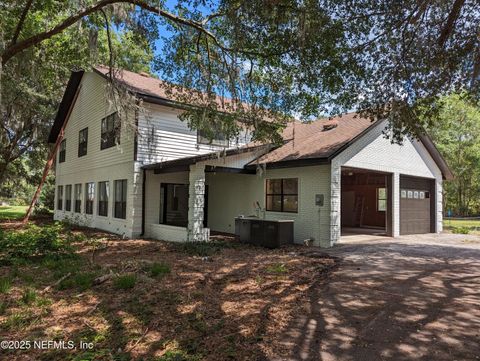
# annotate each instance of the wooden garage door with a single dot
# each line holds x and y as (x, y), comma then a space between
(415, 205)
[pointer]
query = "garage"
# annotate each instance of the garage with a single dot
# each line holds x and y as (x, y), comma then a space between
(417, 205)
(365, 202)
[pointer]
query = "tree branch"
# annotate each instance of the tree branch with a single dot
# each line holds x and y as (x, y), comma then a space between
(16, 48)
(21, 21)
(452, 18)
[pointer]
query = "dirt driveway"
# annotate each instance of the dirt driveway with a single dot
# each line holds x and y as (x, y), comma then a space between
(409, 298)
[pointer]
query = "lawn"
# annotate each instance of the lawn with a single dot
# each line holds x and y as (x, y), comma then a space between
(462, 225)
(152, 300)
(12, 212)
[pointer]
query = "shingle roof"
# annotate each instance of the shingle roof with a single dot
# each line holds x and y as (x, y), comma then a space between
(141, 83)
(315, 141)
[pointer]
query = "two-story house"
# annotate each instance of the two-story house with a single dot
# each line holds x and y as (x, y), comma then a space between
(167, 181)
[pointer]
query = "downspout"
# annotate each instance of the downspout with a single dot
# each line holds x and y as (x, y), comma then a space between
(144, 179)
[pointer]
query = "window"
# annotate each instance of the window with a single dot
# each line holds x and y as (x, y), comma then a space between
(403, 193)
(174, 204)
(282, 195)
(63, 151)
(381, 199)
(78, 198)
(82, 142)
(120, 210)
(59, 198)
(110, 131)
(89, 197)
(103, 193)
(68, 198)
(212, 137)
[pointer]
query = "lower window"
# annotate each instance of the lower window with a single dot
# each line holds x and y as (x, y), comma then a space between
(174, 204)
(282, 195)
(60, 198)
(68, 197)
(78, 198)
(381, 199)
(103, 194)
(120, 210)
(89, 197)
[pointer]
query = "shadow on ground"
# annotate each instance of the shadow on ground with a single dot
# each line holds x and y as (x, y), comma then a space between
(393, 301)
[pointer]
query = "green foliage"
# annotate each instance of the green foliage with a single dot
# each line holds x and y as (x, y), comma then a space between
(457, 136)
(5, 285)
(29, 295)
(158, 269)
(34, 241)
(277, 268)
(82, 281)
(461, 230)
(125, 282)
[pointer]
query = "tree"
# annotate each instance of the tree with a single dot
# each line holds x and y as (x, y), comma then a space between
(457, 135)
(33, 83)
(278, 58)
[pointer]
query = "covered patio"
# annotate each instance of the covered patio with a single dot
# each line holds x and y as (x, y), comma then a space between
(184, 199)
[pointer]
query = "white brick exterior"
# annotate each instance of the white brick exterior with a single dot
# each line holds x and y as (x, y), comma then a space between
(374, 152)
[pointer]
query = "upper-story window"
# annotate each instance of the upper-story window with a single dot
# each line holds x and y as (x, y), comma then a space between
(82, 142)
(212, 137)
(63, 151)
(110, 131)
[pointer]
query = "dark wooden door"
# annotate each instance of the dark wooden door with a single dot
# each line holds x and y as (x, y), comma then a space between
(416, 205)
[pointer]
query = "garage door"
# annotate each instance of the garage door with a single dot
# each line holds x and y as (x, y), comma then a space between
(416, 203)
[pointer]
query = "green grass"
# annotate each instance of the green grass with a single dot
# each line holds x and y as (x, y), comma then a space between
(277, 268)
(463, 226)
(5, 285)
(29, 295)
(125, 282)
(158, 269)
(12, 212)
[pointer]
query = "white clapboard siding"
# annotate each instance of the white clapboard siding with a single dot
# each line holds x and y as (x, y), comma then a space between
(97, 165)
(163, 136)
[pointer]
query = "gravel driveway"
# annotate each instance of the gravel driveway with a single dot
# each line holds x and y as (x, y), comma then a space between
(408, 298)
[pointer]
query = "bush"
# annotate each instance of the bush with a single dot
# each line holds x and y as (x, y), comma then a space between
(33, 241)
(125, 282)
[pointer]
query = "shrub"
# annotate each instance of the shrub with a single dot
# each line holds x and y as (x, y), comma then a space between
(125, 282)
(158, 269)
(34, 241)
(5, 285)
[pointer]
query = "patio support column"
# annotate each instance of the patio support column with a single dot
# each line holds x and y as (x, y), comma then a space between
(335, 192)
(196, 202)
(396, 204)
